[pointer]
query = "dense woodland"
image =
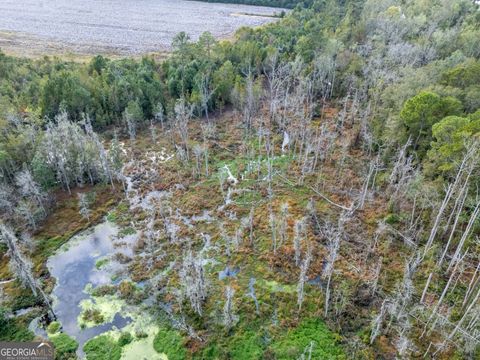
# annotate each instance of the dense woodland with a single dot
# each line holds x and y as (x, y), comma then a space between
(337, 148)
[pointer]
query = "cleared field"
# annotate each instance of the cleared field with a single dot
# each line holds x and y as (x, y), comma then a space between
(116, 27)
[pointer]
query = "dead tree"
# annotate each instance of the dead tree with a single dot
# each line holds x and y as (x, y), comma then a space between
(372, 169)
(150, 236)
(433, 314)
(278, 77)
(84, 206)
(307, 352)
(229, 317)
(102, 153)
(153, 132)
(471, 285)
(457, 210)
(273, 228)
(28, 213)
(183, 114)
(250, 103)
(299, 235)
(376, 276)
(334, 235)
(402, 171)
(193, 280)
(21, 266)
(208, 132)
(395, 306)
(283, 224)
(469, 161)
(269, 149)
(303, 277)
(131, 123)
(285, 142)
(377, 322)
(406, 288)
(206, 92)
(465, 235)
(29, 188)
(250, 225)
(159, 115)
(462, 319)
(198, 152)
(252, 294)
(7, 199)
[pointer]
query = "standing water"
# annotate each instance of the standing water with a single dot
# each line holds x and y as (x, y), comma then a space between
(74, 266)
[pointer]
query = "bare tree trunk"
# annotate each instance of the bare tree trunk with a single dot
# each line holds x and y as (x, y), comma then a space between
(465, 235)
(22, 267)
(426, 287)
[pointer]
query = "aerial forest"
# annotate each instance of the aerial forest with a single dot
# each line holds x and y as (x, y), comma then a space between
(309, 189)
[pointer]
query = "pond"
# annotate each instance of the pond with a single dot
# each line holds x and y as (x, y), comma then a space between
(75, 266)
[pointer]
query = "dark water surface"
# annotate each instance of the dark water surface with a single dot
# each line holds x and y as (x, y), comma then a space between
(74, 267)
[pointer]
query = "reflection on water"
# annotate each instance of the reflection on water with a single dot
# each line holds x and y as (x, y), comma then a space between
(74, 268)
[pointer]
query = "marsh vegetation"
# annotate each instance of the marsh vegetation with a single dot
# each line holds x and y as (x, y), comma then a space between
(308, 190)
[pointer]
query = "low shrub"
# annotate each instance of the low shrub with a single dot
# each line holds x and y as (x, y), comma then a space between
(93, 315)
(65, 346)
(53, 327)
(125, 339)
(102, 347)
(13, 329)
(310, 332)
(247, 346)
(170, 342)
(127, 289)
(104, 290)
